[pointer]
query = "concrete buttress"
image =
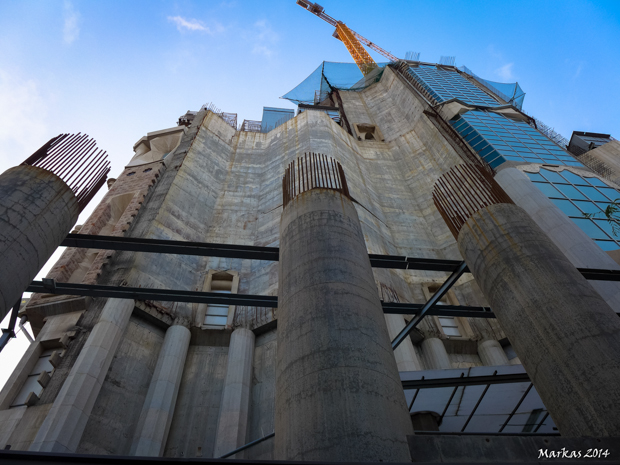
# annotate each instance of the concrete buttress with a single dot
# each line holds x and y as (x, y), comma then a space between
(338, 393)
(232, 423)
(64, 425)
(156, 415)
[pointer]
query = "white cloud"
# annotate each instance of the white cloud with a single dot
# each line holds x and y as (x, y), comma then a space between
(71, 27)
(22, 119)
(265, 37)
(189, 25)
(505, 72)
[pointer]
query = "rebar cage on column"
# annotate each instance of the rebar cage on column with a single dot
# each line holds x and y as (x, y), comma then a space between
(312, 171)
(464, 190)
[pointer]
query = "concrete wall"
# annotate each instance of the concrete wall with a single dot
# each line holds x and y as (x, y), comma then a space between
(224, 186)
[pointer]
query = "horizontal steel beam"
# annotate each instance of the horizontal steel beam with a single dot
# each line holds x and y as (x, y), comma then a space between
(465, 381)
(171, 247)
(168, 295)
(250, 252)
(164, 295)
(438, 310)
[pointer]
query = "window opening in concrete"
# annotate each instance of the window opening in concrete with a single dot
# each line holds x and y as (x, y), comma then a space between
(217, 315)
(449, 325)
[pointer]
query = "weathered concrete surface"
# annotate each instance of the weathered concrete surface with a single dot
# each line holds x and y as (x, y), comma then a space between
(604, 160)
(29, 424)
(566, 235)
(232, 425)
(338, 393)
(406, 358)
(194, 423)
(156, 416)
(262, 407)
(37, 211)
(566, 336)
(511, 449)
(491, 353)
(114, 417)
(435, 355)
(64, 425)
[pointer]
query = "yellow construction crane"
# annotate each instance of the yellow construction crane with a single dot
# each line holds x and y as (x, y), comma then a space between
(351, 39)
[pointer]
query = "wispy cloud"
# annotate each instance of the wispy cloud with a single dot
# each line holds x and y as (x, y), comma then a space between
(505, 72)
(71, 26)
(24, 118)
(183, 24)
(264, 38)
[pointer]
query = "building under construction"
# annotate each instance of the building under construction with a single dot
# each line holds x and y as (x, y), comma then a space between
(409, 269)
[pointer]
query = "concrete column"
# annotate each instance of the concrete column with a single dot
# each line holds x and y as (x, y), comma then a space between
(491, 353)
(566, 235)
(565, 334)
(232, 423)
(64, 425)
(406, 358)
(435, 354)
(37, 211)
(154, 423)
(338, 393)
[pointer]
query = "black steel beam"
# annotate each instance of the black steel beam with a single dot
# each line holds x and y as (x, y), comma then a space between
(8, 333)
(250, 252)
(469, 381)
(438, 310)
(171, 247)
(164, 295)
(448, 283)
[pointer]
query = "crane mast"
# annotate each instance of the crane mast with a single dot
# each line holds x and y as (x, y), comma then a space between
(351, 39)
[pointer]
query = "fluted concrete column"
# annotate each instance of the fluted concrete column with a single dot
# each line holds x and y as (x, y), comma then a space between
(232, 423)
(64, 425)
(491, 353)
(406, 358)
(566, 235)
(37, 211)
(435, 354)
(565, 334)
(154, 423)
(338, 392)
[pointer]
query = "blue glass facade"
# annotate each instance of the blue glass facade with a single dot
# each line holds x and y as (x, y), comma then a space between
(498, 139)
(444, 85)
(576, 195)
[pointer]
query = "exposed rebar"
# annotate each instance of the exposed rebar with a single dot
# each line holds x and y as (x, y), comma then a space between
(76, 160)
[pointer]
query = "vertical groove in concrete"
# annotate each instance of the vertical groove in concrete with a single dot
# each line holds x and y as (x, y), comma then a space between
(338, 392)
(565, 334)
(491, 353)
(37, 211)
(435, 354)
(64, 425)
(232, 425)
(158, 409)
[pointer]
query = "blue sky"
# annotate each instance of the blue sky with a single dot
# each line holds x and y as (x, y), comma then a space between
(117, 70)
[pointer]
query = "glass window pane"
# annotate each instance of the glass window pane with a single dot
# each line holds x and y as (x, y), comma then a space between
(572, 177)
(587, 207)
(553, 176)
(612, 194)
(592, 193)
(218, 310)
(535, 177)
(215, 320)
(31, 385)
(548, 190)
(607, 245)
(590, 228)
(608, 228)
(596, 182)
(567, 207)
(43, 364)
(570, 191)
